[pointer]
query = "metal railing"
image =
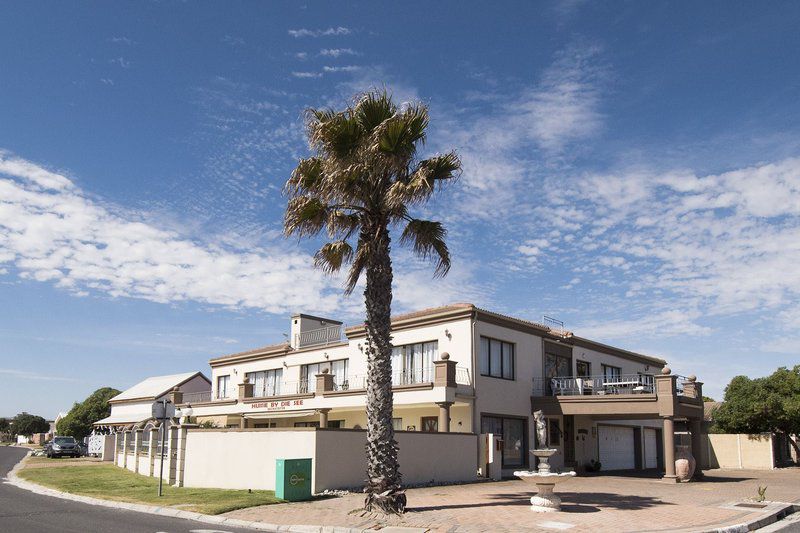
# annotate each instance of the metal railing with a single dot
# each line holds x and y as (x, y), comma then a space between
(144, 446)
(403, 377)
(462, 376)
(325, 335)
(594, 385)
(197, 397)
(282, 389)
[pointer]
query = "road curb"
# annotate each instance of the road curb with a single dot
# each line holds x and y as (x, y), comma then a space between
(13, 479)
(777, 511)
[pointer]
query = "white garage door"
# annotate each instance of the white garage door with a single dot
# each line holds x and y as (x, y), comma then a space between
(616, 448)
(650, 448)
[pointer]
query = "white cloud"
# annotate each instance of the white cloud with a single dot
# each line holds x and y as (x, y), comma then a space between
(107, 81)
(719, 245)
(51, 231)
(348, 68)
(121, 61)
(338, 52)
(123, 40)
(307, 74)
(665, 324)
(34, 376)
(233, 41)
(304, 32)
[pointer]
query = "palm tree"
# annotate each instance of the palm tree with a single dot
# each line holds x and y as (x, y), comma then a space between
(359, 184)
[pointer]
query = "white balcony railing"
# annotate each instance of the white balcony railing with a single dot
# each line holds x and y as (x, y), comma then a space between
(321, 336)
(594, 385)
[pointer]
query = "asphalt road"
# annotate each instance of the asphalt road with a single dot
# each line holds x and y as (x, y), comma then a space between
(22, 511)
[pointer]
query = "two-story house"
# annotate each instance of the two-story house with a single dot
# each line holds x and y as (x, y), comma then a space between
(460, 368)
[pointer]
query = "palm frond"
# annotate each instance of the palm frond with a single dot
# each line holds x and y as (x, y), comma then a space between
(342, 223)
(399, 135)
(441, 167)
(427, 240)
(373, 108)
(362, 255)
(332, 255)
(306, 176)
(305, 215)
(339, 135)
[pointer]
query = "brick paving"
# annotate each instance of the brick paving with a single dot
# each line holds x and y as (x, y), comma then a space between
(596, 503)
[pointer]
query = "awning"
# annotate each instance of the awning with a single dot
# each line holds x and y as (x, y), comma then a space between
(280, 414)
(123, 419)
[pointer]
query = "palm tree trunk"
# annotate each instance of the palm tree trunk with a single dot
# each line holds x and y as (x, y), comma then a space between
(383, 489)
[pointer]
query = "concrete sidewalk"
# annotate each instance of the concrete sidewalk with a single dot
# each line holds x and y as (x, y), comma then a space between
(600, 503)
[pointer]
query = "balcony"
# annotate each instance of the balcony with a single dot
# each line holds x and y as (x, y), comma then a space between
(319, 337)
(595, 385)
(283, 388)
(197, 397)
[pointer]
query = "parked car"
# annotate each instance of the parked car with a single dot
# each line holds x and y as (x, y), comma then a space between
(63, 447)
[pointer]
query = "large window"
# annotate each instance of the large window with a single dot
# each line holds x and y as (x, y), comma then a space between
(308, 374)
(512, 431)
(266, 382)
(223, 386)
(413, 363)
(496, 358)
(611, 372)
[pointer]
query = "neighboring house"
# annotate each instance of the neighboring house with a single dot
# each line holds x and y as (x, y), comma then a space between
(135, 405)
(54, 424)
(460, 368)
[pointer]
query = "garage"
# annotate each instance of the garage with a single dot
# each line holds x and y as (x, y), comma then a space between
(616, 447)
(650, 448)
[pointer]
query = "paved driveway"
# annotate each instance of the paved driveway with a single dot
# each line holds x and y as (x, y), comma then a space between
(601, 503)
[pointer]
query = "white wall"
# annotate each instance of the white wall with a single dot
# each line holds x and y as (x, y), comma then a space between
(245, 459)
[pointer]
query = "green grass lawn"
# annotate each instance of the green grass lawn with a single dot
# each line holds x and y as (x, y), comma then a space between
(113, 483)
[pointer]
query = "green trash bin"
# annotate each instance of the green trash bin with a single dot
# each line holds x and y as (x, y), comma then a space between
(293, 479)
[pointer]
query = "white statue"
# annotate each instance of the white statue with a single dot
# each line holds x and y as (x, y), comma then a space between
(541, 429)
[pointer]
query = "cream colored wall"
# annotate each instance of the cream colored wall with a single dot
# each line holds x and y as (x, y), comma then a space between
(457, 344)
(423, 457)
(338, 459)
(737, 451)
(242, 459)
(495, 396)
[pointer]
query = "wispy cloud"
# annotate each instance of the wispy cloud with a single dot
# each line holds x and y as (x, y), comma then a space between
(303, 74)
(121, 61)
(123, 40)
(338, 52)
(53, 232)
(347, 68)
(33, 376)
(107, 81)
(232, 40)
(304, 32)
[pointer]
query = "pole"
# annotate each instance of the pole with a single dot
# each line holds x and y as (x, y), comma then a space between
(163, 438)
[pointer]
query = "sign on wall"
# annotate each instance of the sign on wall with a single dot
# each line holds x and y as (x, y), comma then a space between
(276, 406)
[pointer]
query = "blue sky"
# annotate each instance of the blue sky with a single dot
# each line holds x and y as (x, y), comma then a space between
(630, 168)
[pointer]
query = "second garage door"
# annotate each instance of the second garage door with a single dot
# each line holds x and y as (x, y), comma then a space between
(650, 448)
(616, 448)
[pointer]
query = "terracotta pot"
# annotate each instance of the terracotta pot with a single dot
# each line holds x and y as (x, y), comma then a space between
(684, 463)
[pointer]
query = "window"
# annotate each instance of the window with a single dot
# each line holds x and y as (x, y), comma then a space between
(430, 424)
(611, 372)
(308, 374)
(307, 424)
(223, 384)
(496, 358)
(513, 433)
(397, 424)
(583, 369)
(413, 363)
(554, 434)
(265, 425)
(266, 382)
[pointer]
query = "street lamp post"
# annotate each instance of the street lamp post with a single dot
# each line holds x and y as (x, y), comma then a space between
(160, 413)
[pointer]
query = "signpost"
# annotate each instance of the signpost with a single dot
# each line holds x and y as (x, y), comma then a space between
(160, 413)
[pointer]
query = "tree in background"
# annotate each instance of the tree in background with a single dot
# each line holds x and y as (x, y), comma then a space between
(27, 424)
(361, 181)
(79, 420)
(762, 405)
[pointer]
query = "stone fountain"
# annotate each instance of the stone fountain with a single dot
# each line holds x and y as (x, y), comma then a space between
(545, 500)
